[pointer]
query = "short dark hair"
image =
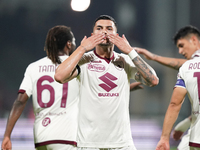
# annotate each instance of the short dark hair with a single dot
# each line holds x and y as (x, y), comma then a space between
(186, 31)
(56, 39)
(105, 17)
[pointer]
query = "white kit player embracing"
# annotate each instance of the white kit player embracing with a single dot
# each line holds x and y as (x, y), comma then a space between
(187, 39)
(104, 77)
(55, 105)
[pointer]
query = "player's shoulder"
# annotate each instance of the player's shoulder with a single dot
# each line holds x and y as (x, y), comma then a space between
(194, 60)
(122, 57)
(87, 57)
(90, 53)
(116, 54)
(192, 64)
(40, 61)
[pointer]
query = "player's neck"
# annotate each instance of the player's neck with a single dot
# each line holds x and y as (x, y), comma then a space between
(61, 53)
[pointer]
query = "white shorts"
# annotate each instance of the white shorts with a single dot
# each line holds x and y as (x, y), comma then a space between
(57, 147)
(184, 144)
(132, 147)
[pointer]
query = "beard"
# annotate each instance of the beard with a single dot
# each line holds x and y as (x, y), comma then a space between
(105, 44)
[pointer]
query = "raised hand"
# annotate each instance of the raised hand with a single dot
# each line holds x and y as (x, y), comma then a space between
(120, 42)
(90, 42)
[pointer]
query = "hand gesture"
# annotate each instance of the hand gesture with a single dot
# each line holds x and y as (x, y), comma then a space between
(90, 42)
(120, 42)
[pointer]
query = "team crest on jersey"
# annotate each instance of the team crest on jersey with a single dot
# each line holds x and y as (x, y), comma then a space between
(96, 67)
(46, 121)
(119, 65)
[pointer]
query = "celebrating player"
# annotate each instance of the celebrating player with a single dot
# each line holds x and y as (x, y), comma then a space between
(104, 77)
(55, 105)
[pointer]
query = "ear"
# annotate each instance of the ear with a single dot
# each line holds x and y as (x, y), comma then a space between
(194, 40)
(69, 44)
(92, 34)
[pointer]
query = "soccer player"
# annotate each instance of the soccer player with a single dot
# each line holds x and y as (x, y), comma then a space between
(55, 105)
(104, 77)
(182, 126)
(187, 39)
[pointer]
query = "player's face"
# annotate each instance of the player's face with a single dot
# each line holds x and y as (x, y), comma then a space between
(186, 47)
(105, 27)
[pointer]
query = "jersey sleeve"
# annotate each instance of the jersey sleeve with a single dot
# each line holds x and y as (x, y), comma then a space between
(180, 82)
(26, 84)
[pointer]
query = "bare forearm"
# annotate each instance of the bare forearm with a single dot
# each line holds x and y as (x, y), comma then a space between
(170, 118)
(65, 70)
(146, 72)
(174, 63)
(15, 113)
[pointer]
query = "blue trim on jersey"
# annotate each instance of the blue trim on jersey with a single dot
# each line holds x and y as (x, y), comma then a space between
(180, 82)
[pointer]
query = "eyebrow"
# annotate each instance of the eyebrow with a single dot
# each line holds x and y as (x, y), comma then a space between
(102, 26)
(179, 44)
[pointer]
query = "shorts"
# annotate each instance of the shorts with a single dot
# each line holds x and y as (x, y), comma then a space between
(132, 147)
(184, 144)
(57, 147)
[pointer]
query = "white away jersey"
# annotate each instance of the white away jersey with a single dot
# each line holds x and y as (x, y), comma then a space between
(55, 105)
(189, 78)
(104, 101)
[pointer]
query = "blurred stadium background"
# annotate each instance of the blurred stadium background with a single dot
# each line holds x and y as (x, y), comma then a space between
(149, 24)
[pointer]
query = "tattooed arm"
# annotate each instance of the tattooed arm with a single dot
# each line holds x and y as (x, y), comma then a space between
(146, 74)
(174, 63)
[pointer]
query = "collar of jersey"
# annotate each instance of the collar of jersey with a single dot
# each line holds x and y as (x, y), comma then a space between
(106, 59)
(196, 54)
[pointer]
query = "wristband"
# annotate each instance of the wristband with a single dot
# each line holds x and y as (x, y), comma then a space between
(133, 54)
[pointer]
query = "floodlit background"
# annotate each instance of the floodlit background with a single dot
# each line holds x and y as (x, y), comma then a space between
(149, 24)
